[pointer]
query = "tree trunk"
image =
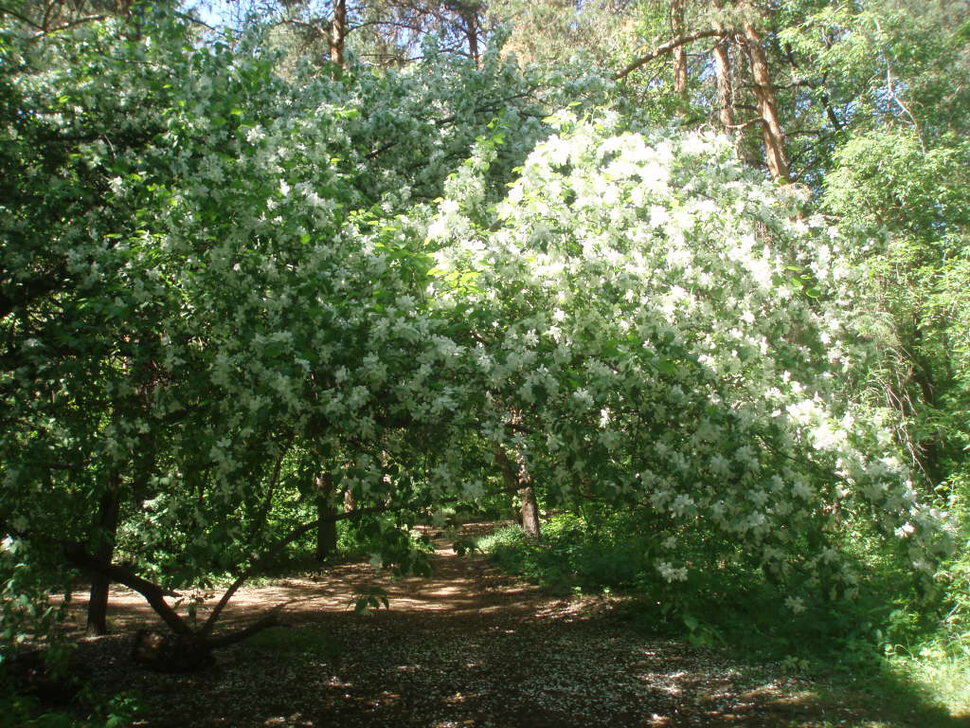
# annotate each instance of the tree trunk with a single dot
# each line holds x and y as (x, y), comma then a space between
(103, 547)
(338, 34)
(530, 514)
(471, 33)
(767, 105)
(722, 71)
(518, 479)
(326, 508)
(680, 52)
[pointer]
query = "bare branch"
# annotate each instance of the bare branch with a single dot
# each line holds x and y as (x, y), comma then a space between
(70, 24)
(389, 23)
(196, 21)
(22, 18)
(263, 513)
(667, 48)
(270, 619)
(153, 593)
(746, 124)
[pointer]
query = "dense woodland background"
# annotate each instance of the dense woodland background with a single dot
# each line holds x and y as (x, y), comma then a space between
(680, 285)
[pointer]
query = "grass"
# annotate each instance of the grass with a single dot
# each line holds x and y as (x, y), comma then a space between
(297, 641)
(945, 677)
(890, 695)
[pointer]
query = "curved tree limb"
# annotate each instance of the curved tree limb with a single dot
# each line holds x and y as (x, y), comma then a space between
(274, 550)
(77, 555)
(153, 593)
(270, 619)
(667, 47)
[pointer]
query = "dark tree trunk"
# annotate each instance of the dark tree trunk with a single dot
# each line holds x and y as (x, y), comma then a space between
(97, 623)
(326, 509)
(103, 546)
(519, 480)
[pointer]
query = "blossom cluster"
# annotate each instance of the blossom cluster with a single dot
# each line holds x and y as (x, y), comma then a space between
(649, 312)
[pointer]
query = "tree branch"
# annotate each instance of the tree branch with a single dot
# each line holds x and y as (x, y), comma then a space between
(270, 619)
(263, 513)
(153, 593)
(22, 18)
(667, 48)
(390, 23)
(278, 547)
(71, 24)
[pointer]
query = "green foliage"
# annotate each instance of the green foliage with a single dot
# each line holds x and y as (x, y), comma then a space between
(465, 547)
(25, 604)
(180, 236)
(601, 551)
(219, 282)
(24, 712)
(911, 202)
(59, 699)
(389, 545)
(593, 554)
(369, 600)
(635, 295)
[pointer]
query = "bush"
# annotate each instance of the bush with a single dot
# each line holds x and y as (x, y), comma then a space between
(732, 601)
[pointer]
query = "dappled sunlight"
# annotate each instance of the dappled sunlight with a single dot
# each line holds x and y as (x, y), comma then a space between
(467, 646)
(301, 285)
(459, 586)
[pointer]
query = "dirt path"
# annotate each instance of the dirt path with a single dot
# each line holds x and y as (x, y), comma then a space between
(465, 647)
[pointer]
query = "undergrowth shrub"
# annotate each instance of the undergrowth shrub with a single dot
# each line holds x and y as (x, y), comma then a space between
(732, 601)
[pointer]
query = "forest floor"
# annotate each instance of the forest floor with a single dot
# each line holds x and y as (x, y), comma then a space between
(468, 646)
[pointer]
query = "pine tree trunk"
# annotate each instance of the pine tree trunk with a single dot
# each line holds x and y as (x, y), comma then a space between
(103, 547)
(680, 52)
(767, 105)
(471, 33)
(338, 34)
(722, 71)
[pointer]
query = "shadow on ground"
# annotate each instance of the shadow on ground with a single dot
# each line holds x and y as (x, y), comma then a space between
(471, 647)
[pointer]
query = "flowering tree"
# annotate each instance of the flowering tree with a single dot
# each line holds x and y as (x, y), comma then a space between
(218, 284)
(674, 332)
(206, 294)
